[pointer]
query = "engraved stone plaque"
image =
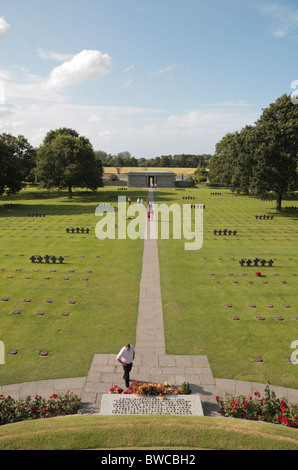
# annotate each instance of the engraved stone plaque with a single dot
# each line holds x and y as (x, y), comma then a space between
(122, 404)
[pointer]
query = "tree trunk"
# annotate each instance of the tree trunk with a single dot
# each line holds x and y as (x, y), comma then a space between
(69, 192)
(278, 202)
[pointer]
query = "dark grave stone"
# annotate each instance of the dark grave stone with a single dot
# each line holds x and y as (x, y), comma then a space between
(43, 353)
(241, 262)
(270, 262)
(224, 231)
(5, 299)
(77, 229)
(283, 282)
(32, 258)
(13, 352)
(248, 262)
(263, 262)
(39, 259)
(256, 260)
(257, 359)
(87, 230)
(9, 277)
(67, 230)
(54, 259)
(214, 232)
(234, 232)
(47, 258)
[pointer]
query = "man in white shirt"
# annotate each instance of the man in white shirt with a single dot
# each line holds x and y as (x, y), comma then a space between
(126, 357)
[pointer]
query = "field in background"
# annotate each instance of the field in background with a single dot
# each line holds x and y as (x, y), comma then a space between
(124, 170)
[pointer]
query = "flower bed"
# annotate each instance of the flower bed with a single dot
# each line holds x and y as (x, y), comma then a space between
(152, 389)
(12, 410)
(258, 408)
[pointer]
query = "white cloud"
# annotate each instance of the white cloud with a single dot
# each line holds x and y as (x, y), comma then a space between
(83, 66)
(44, 54)
(164, 70)
(284, 18)
(4, 26)
(145, 132)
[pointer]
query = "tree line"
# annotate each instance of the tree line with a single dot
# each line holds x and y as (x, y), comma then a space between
(125, 159)
(262, 157)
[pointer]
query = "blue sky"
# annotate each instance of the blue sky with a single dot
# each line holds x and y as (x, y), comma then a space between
(151, 77)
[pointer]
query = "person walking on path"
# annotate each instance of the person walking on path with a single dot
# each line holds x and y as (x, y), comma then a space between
(126, 357)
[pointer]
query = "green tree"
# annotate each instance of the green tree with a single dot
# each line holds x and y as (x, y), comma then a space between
(17, 159)
(263, 157)
(67, 160)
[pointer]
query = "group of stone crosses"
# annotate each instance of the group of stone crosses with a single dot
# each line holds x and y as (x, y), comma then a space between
(77, 230)
(264, 217)
(47, 259)
(255, 262)
(225, 232)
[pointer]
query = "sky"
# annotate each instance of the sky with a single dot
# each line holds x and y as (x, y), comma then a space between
(151, 77)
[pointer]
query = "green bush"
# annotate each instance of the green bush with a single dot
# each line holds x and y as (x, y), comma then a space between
(12, 410)
(258, 408)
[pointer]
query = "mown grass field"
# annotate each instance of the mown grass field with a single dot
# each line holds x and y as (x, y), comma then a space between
(202, 290)
(103, 277)
(146, 433)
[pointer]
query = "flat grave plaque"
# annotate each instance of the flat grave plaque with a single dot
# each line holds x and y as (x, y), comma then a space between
(122, 404)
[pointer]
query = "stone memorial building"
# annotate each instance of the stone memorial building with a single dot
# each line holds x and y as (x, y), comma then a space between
(151, 179)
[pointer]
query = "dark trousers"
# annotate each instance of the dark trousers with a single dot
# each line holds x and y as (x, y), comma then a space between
(126, 370)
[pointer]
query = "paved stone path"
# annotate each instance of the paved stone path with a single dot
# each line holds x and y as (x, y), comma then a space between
(151, 363)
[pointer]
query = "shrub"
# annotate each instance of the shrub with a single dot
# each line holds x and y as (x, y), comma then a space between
(258, 408)
(12, 410)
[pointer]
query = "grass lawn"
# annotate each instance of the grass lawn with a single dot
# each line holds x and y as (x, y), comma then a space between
(101, 276)
(145, 433)
(197, 285)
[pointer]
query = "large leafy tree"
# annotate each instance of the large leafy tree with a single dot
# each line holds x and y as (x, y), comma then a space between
(17, 162)
(66, 160)
(263, 157)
